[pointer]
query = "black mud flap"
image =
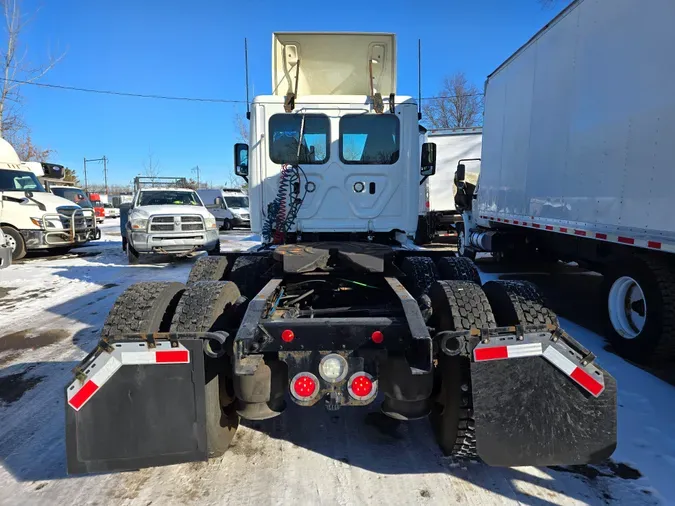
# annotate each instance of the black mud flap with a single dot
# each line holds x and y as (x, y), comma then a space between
(541, 404)
(137, 405)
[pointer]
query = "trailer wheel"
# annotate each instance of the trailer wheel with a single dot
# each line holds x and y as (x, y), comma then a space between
(204, 307)
(518, 303)
(640, 304)
(457, 305)
(15, 242)
(143, 307)
(458, 269)
(251, 274)
(208, 269)
(420, 274)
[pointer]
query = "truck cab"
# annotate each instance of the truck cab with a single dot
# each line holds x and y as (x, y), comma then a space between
(355, 141)
(30, 216)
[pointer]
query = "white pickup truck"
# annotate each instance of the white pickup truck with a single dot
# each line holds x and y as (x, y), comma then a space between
(171, 221)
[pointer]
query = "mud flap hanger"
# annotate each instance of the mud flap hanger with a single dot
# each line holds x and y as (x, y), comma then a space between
(548, 341)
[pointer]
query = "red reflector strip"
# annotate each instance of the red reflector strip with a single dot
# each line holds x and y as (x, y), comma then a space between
(83, 394)
(654, 244)
(600, 236)
(507, 221)
(580, 232)
(493, 353)
(549, 227)
(563, 229)
(525, 224)
(172, 357)
(516, 222)
(626, 240)
(536, 225)
(586, 381)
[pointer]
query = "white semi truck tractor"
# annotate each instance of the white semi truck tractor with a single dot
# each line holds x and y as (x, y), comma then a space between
(337, 305)
(32, 218)
(575, 170)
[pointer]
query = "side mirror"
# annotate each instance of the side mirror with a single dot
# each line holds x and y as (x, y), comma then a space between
(218, 202)
(428, 159)
(460, 175)
(241, 159)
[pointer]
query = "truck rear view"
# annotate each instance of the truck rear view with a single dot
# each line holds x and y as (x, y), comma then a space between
(336, 308)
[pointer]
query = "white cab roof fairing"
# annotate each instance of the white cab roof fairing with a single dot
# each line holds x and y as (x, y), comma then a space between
(333, 63)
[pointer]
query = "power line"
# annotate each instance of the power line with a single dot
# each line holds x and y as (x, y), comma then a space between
(178, 98)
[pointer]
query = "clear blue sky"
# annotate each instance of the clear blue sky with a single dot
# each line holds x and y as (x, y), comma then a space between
(195, 49)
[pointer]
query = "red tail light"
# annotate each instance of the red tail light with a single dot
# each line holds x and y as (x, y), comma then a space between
(304, 386)
(362, 387)
(377, 337)
(287, 336)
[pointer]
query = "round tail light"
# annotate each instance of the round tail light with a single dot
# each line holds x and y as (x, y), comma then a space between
(304, 386)
(362, 387)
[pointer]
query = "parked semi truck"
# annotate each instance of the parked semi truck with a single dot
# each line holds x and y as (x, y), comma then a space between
(573, 170)
(30, 216)
(337, 305)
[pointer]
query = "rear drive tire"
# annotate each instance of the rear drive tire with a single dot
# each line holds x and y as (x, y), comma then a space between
(420, 274)
(458, 269)
(251, 274)
(208, 269)
(207, 306)
(227, 225)
(639, 295)
(15, 242)
(144, 307)
(457, 305)
(518, 303)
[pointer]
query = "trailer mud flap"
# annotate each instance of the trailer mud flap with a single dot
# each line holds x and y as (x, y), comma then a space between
(137, 404)
(539, 402)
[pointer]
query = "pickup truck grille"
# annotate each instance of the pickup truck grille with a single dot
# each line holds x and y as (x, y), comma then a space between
(176, 224)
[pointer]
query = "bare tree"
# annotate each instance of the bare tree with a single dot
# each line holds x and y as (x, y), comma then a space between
(459, 104)
(27, 150)
(16, 71)
(242, 128)
(151, 165)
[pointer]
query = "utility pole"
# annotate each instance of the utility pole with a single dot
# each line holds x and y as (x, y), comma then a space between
(105, 171)
(85, 174)
(196, 169)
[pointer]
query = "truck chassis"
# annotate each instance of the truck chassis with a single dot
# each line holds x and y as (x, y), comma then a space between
(346, 323)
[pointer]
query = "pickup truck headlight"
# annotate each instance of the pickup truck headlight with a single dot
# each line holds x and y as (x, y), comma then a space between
(39, 222)
(138, 223)
(210, 222)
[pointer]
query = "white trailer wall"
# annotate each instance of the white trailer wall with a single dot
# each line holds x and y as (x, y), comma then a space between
(452, 145)
(580, 123)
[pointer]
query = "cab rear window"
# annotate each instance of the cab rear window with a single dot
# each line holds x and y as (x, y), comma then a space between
(371, 139)
(299, 138)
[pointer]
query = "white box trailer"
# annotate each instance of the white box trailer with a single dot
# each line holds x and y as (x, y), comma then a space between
(577, 160)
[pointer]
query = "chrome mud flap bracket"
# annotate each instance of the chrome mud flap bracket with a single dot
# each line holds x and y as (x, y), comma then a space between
(137, 401)
(538, 397)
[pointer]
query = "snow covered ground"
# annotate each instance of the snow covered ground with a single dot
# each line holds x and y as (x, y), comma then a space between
(51, 310)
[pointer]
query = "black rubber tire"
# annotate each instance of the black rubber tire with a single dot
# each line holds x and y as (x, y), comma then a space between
(420, 274)
(215, 250)
(518, 303)
(19, 250)
(133, 257)
(143, 307)
(208, 269)
(656, 277)
(457, 305)
(202, 308)
(227, 225)
(458, 269)
(251, 274)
